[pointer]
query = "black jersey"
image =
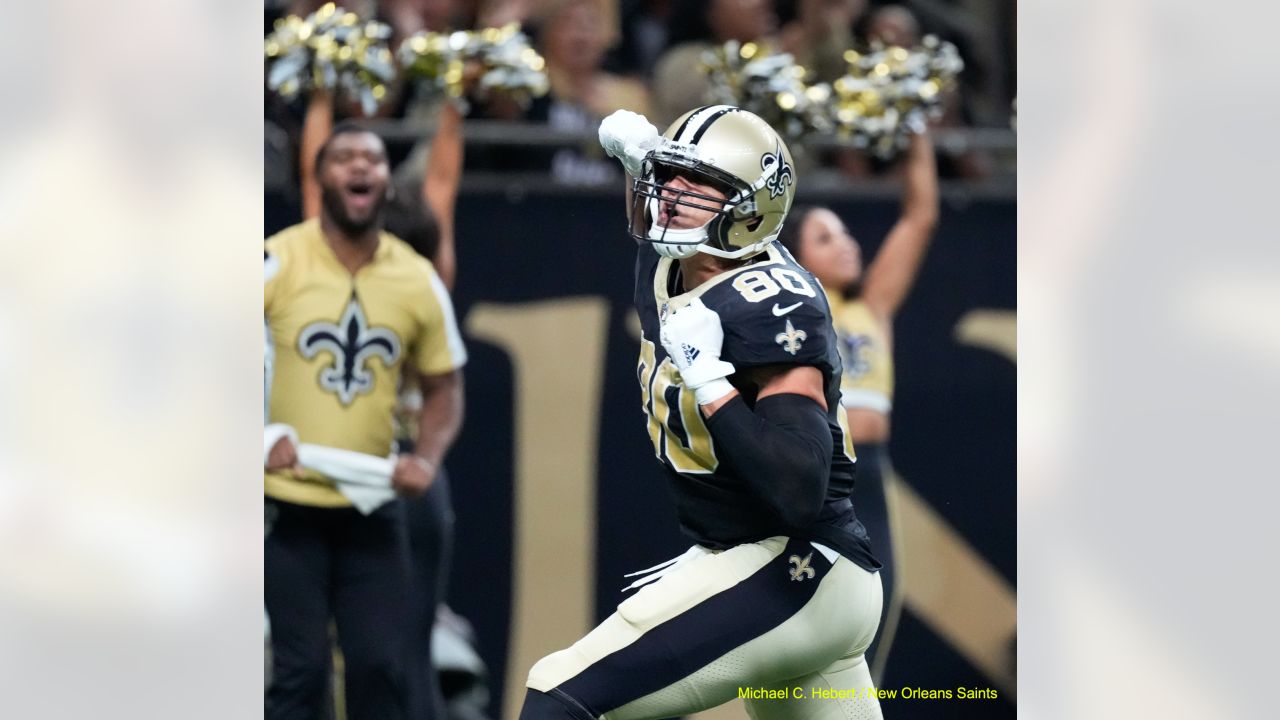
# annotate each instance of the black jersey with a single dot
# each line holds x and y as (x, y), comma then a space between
(773, 313)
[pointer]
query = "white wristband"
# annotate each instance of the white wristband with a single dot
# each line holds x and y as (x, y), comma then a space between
(706, 370)
(712, 391)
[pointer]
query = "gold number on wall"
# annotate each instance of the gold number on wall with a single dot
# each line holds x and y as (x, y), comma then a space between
(557, 420)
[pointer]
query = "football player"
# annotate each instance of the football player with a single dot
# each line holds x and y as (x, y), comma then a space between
(740, 382)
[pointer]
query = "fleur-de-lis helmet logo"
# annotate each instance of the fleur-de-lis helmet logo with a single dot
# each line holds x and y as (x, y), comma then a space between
(782, 175)
(351, 342)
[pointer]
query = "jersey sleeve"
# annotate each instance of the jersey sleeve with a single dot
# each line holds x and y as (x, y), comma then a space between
(439, 348)
(757, 336)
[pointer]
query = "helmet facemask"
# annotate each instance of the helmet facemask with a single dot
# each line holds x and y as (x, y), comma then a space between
(650, 193)
(734, 152)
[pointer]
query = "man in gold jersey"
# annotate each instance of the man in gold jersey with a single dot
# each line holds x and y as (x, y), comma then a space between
(863, 304)
(347, 306)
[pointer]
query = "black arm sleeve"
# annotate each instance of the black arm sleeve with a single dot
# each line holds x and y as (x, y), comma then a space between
(782, 451)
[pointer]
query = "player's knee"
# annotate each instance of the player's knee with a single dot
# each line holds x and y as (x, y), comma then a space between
(551, 706)
(550, 671)
(543, 701)
(539, 678)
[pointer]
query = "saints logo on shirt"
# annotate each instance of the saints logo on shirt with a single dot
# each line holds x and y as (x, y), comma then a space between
(351, 342)
(852, 349)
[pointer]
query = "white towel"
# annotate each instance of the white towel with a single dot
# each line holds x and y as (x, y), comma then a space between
(363, 479)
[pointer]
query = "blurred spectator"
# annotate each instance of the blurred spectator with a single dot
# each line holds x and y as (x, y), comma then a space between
(894, 25)
(410, 16)
(421, 213)
(496, 13)
(573, 41)
(644, 36)
(820, 33)
(324, 557)
(574, 37)
(697, 26)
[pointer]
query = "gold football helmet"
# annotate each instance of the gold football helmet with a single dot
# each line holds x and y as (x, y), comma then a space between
(733, 151)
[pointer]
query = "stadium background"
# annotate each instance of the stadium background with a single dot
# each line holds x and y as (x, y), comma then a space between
(555, 488)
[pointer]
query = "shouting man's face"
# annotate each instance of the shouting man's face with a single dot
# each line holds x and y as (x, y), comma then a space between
(354, 176)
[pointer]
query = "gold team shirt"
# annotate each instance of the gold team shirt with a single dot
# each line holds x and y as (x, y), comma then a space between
(337, 343)
(866, 354)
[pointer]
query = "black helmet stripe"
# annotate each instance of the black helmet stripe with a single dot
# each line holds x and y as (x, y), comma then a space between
(697, 120)
(685, 124)
(698, 135)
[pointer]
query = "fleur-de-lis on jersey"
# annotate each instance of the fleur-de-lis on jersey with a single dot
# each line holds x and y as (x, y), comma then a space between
(791, 339)
(801, 569)
(351, 342)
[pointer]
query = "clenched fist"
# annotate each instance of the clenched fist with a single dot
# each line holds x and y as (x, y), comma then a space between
(413, 475)
(629, 137)
(283, 456)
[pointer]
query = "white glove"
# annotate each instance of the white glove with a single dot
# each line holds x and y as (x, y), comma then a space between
(693, 338)
(629, 137)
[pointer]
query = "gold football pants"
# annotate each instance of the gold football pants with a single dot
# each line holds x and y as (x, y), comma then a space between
(781, 623)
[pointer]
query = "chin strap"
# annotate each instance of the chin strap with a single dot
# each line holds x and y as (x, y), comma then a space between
(678, 243)
(673, 243)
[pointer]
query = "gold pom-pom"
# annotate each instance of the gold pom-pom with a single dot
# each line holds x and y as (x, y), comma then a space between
(768, 84)
(889, 93)
(476, 64)
(331, 49)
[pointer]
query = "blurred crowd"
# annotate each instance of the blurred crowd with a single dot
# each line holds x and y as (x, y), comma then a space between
(644, 55)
